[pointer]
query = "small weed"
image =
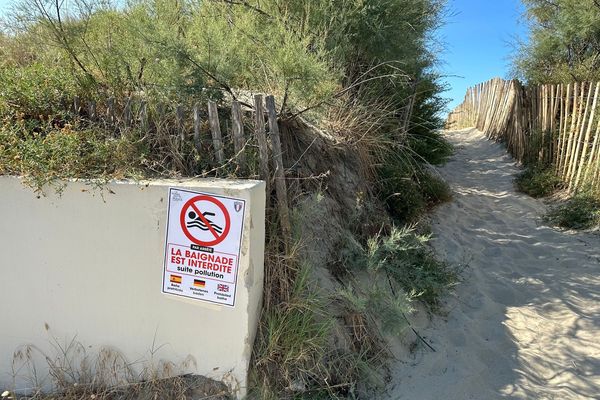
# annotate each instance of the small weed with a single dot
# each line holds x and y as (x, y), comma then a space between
(580, 212)
(538, 181)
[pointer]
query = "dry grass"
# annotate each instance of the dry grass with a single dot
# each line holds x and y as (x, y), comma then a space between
(368, 127)
(73, 374)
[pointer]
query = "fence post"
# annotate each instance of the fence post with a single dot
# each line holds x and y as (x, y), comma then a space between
(197, 141)
(279, 175)
(261, 138)
(92, 110)
(127, 112)
(144, 115)
(76, 105)
(238, 134)
(215, 129)
(180, 124)
(111, 111)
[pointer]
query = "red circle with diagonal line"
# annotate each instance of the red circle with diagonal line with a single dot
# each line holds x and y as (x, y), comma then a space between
(195, 204)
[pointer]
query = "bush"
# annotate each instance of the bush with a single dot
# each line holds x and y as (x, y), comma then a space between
(435, 189)
(406, 258)
(538, 181)
(430, 146)
(580, 212)
(67, 152)
(410, 190)
(35, 90)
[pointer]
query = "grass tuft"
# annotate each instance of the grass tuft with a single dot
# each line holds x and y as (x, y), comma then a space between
(73, 373)
(409, 192)
(538, 181)
(294, 357)
(579, 212)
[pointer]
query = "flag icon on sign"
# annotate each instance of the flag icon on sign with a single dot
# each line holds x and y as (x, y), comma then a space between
(222, 288)
(199, 283)
(175, 279)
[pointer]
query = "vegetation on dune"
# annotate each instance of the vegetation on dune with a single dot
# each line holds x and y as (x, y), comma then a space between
(364, 72)
(408, 265)
(564, 45)
(538, 181)
(582, 211)
(313, 62)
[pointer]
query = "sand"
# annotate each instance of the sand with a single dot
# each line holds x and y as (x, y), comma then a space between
(525, 321)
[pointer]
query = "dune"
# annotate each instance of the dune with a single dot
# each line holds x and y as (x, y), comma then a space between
(524, 323)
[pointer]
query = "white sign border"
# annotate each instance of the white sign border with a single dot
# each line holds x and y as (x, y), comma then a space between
(164, 267)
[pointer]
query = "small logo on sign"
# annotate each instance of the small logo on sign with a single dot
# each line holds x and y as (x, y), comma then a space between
(176, 196)
(237, 206)
(222, 288)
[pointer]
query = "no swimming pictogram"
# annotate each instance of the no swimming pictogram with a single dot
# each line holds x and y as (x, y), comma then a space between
(205, 220)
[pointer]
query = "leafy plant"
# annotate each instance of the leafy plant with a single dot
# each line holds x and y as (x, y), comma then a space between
(538, 181)
(580, 212)
(563, 44)
(406, 259)
(409, 189)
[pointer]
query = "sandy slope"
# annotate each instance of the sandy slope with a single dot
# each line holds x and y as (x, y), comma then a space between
(525, 323)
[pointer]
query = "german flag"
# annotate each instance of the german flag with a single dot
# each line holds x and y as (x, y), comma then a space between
(175, 279)
(199, 283)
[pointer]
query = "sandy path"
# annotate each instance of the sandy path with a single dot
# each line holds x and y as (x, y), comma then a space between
(525, 323)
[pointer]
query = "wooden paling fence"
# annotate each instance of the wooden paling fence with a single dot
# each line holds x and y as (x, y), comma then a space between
(552, 124)
(189, 124)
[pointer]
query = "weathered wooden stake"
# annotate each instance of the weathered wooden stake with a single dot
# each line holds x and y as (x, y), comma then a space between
(261, 138)
(144, 115)
(92, 110)
(76, 107)
(127, 112)
(180, 124)
(215, 129)
(197, 140)
(238, 134)
(279, 174)
(111, 111)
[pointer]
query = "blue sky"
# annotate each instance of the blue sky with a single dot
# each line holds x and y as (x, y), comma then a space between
(4, 5)
(479, 40)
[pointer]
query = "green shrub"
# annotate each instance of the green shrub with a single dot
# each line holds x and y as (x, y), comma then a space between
(406, 258)
(580, 212)
(62, 153)
(430, 146)
(435, 189)
(34, 90)
(408, 190)
(538, 181)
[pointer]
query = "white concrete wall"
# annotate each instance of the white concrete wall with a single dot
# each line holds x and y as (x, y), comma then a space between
(90, 267)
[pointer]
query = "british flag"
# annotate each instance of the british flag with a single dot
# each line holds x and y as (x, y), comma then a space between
(222, 288)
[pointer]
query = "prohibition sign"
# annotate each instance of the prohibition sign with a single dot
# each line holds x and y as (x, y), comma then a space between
(192, 205)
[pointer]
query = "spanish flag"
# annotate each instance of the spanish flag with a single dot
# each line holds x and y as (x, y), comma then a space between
(199, 283)
(175, 279)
